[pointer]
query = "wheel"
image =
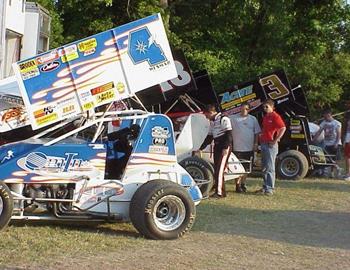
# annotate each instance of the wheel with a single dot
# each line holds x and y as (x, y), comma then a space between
(6, 205)
(161, 209)
(200, 169)
(292, 165)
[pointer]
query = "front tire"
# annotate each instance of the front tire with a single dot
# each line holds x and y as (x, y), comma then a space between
(6, 205)
(292, 165)
(201, 169)
(162, 210)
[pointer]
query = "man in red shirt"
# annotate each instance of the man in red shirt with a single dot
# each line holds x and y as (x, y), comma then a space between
(273, 129)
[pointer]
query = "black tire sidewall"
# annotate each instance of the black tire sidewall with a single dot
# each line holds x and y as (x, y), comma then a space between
(143, 206)
(206, 169)
(7, 201)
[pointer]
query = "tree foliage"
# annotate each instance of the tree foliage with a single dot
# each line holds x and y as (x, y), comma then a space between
(236, 40)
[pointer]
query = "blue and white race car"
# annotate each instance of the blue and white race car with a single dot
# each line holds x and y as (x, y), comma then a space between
(81, 170)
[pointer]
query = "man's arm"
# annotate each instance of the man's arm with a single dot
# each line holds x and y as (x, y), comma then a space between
(256, 142)
(338, 140)
(317, 134)
(280, 134)
(207, 141)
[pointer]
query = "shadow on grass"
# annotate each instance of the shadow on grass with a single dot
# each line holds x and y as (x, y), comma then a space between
(119, 229)
(330, 185)
(308, 228)
(310, 183)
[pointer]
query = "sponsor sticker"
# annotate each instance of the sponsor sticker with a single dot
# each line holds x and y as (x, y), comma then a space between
(47, 119)
(12, 114)
(69, 53)
(297, 136)
(30, 74)
(102, 88)
(120, 87)
(47, 58)
(158, 149)
(68, 109)
(104, 93)
(50, 66)
(28, 66)
(104, 97)
(87, 45)
(88, 106)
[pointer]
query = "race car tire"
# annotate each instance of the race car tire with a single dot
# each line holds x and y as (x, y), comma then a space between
(201, 169)
(162, 210)
(292, 165)
(6, 205)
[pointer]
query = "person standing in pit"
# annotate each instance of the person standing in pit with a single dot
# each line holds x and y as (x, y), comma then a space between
(346, 139)
(332, 138)
(245, 133)
(273, 129)
(221, 132)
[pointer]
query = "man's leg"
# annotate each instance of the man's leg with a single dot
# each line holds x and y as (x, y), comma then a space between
(270, 168)
(264, 163)
(225, 153)
(269, 159)
(217, 155)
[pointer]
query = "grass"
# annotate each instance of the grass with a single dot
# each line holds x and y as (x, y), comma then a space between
(305, 225)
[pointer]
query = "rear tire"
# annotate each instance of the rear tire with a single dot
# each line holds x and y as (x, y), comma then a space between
(199, 168)
(162, 210)
(292, 165)
(6, 205)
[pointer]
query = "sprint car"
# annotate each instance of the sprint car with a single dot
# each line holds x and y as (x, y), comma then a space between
(88, 170)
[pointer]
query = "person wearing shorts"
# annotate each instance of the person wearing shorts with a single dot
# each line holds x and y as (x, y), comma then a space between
(245, 134)
(332, 136)
(346, 138)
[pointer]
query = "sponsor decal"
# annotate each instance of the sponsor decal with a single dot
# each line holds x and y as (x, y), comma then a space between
(69, 53)
(44, 111)
(47, 58)
(143, 47)
(28, 66)
(12, 114)
(47, 119)
(9, 155)
(120, 87)
(50, 66)
(29, 70)
(87, 45)
(45, 115)
(38, 161)
(88, 106)
(159, 140)
(103, 93)
(68, 109)
(230, 100)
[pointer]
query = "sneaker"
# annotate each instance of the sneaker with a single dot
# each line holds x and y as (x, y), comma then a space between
(260, 191)
(268, 193)
(346, 178)
(244, 187)
(239, 188)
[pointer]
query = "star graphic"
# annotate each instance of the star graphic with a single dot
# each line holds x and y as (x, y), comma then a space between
(141, 47)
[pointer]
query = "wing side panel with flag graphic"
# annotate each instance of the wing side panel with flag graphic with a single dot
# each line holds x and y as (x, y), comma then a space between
(94, 71)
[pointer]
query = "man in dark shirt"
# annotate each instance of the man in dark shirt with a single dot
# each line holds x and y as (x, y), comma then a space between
(221, 132)
(273, 129)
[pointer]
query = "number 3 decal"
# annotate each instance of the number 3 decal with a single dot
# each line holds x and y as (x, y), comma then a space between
(276, 88)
